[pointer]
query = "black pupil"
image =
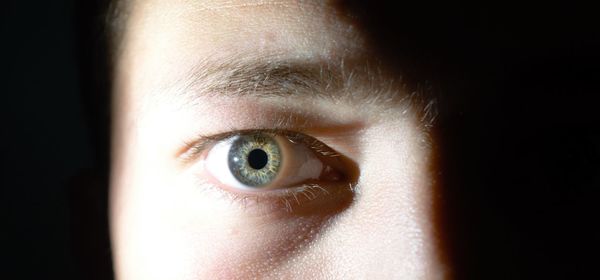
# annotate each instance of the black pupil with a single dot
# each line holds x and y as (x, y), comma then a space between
(257, 159)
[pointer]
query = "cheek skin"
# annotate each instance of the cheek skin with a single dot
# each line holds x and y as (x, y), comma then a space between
(167, 226)
(171, 229)
(165, 222)
(387, 232)
(390, 224)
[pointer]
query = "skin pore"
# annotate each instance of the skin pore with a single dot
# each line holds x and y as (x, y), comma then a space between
(189, 71)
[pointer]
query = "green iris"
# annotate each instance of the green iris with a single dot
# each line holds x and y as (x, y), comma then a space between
(254, 160)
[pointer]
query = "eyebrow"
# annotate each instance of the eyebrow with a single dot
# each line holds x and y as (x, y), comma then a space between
(274, 77)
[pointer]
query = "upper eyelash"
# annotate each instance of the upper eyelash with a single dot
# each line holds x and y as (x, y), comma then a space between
(286, 199)
(195, 148)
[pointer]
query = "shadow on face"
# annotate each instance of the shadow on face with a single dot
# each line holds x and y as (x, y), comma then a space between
(515, 140)
(516, 133)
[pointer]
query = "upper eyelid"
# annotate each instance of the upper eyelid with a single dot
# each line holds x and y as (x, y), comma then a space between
(288, 125)
(283, 198)
(203, 142)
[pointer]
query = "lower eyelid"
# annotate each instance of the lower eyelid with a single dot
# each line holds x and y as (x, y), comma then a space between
(310, 196)
(307, 199)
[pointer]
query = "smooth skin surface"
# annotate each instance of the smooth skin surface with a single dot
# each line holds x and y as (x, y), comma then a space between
(192, 69)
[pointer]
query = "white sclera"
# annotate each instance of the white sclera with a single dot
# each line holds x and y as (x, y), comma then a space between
(216, 163)
(304, 163)
(299, 162)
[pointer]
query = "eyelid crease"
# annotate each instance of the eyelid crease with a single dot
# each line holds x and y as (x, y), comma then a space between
(302, 199)
(192, 150)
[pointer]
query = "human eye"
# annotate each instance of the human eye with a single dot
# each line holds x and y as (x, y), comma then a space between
(275, 166)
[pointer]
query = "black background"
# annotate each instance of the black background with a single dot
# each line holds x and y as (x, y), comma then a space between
(518, 133)
(54, 140)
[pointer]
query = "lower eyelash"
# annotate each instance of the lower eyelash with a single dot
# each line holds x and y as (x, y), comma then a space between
(287, 199)
(279, 201)
(308, 191)
(273, 202)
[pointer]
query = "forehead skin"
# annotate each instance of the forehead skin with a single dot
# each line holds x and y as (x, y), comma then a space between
(220, 29)
(162, 227)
